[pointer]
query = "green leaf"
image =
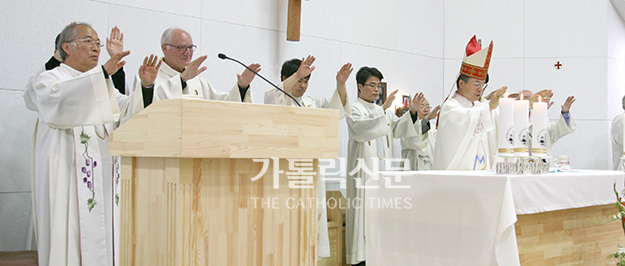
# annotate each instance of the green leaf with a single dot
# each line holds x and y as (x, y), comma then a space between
(84, 137)
(117, 199)
(90, 204)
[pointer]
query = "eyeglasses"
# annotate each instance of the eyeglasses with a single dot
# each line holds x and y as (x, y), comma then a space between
(375, 85)
(480, 84)
(183, 48)
(90, 42)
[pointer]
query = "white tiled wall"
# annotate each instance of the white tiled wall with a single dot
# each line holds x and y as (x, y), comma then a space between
(16, 128)
(562, 28)
(499, 21)
(418, 46)
(584, 78)
(14, 218)
(588, 147)
(616, 62)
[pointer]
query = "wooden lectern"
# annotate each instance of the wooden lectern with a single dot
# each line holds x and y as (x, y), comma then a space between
(187, 195)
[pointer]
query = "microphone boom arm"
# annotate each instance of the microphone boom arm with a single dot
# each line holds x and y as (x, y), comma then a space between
(223, 56)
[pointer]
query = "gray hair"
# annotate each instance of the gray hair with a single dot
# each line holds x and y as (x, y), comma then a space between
(68, 35)
(166, 37)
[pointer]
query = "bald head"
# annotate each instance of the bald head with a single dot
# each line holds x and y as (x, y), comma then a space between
(526, 94)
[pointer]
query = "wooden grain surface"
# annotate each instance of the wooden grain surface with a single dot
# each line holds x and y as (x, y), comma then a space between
(578, 236)
(191, 128)
(202, 212)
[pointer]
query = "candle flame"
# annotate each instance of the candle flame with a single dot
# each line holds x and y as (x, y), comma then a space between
(505, 95)
(540, 99)
(521, 96)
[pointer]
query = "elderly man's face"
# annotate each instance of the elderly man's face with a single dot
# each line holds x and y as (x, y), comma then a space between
(424, 109)
(83, 52)
(176, 58)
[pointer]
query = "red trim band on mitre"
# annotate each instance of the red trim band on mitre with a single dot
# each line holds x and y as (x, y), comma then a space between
(474, 71)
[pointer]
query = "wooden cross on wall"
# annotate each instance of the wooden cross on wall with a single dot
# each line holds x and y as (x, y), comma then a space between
(293, 20)
(558, 65)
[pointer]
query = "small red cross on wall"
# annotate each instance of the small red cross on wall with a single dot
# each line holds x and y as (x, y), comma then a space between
(558, 65)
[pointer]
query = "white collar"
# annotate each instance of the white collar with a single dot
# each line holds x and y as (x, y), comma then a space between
(71, 70)
(168, 70)
(366, 103)
(463, 100)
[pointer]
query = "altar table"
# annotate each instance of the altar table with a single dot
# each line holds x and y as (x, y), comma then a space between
(468, 218)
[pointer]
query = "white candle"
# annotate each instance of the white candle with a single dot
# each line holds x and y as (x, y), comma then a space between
(505, 127)
(521, 127)
(539, 129)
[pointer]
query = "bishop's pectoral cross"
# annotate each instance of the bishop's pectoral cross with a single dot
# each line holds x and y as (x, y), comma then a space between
(293, 20)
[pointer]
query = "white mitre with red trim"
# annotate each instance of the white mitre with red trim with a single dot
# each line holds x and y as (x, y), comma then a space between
(476, 60)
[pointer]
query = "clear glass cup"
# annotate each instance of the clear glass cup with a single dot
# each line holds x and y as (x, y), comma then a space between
(563, 163)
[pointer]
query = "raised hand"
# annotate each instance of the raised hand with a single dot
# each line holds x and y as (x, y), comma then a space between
(389, 100)
(344, 73)
(494, 100)
(193, 69)
(545, 96)
(341, 77)
(433, 114)
(567, 104)
(245, 78)
(149, 70)
(115, 63)
(306, 67)
(115, 43)
(416, 102)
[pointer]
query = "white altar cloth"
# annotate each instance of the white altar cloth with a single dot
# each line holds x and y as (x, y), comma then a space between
(559, 191)
(467, 218)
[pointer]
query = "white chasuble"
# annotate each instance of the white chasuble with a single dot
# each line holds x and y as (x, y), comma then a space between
(371, 133)
(169, 86)
(418, 151)
(462, 141)
(74, 181)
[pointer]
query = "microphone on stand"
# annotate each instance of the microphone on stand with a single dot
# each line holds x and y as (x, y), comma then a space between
(224, 57)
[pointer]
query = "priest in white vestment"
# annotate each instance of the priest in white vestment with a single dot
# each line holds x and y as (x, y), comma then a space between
(372, 129)
(295, 75)
(418, 151)
(114, 45)
(465, 123)
(617, 140)
(76, 181)
(179, 76)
